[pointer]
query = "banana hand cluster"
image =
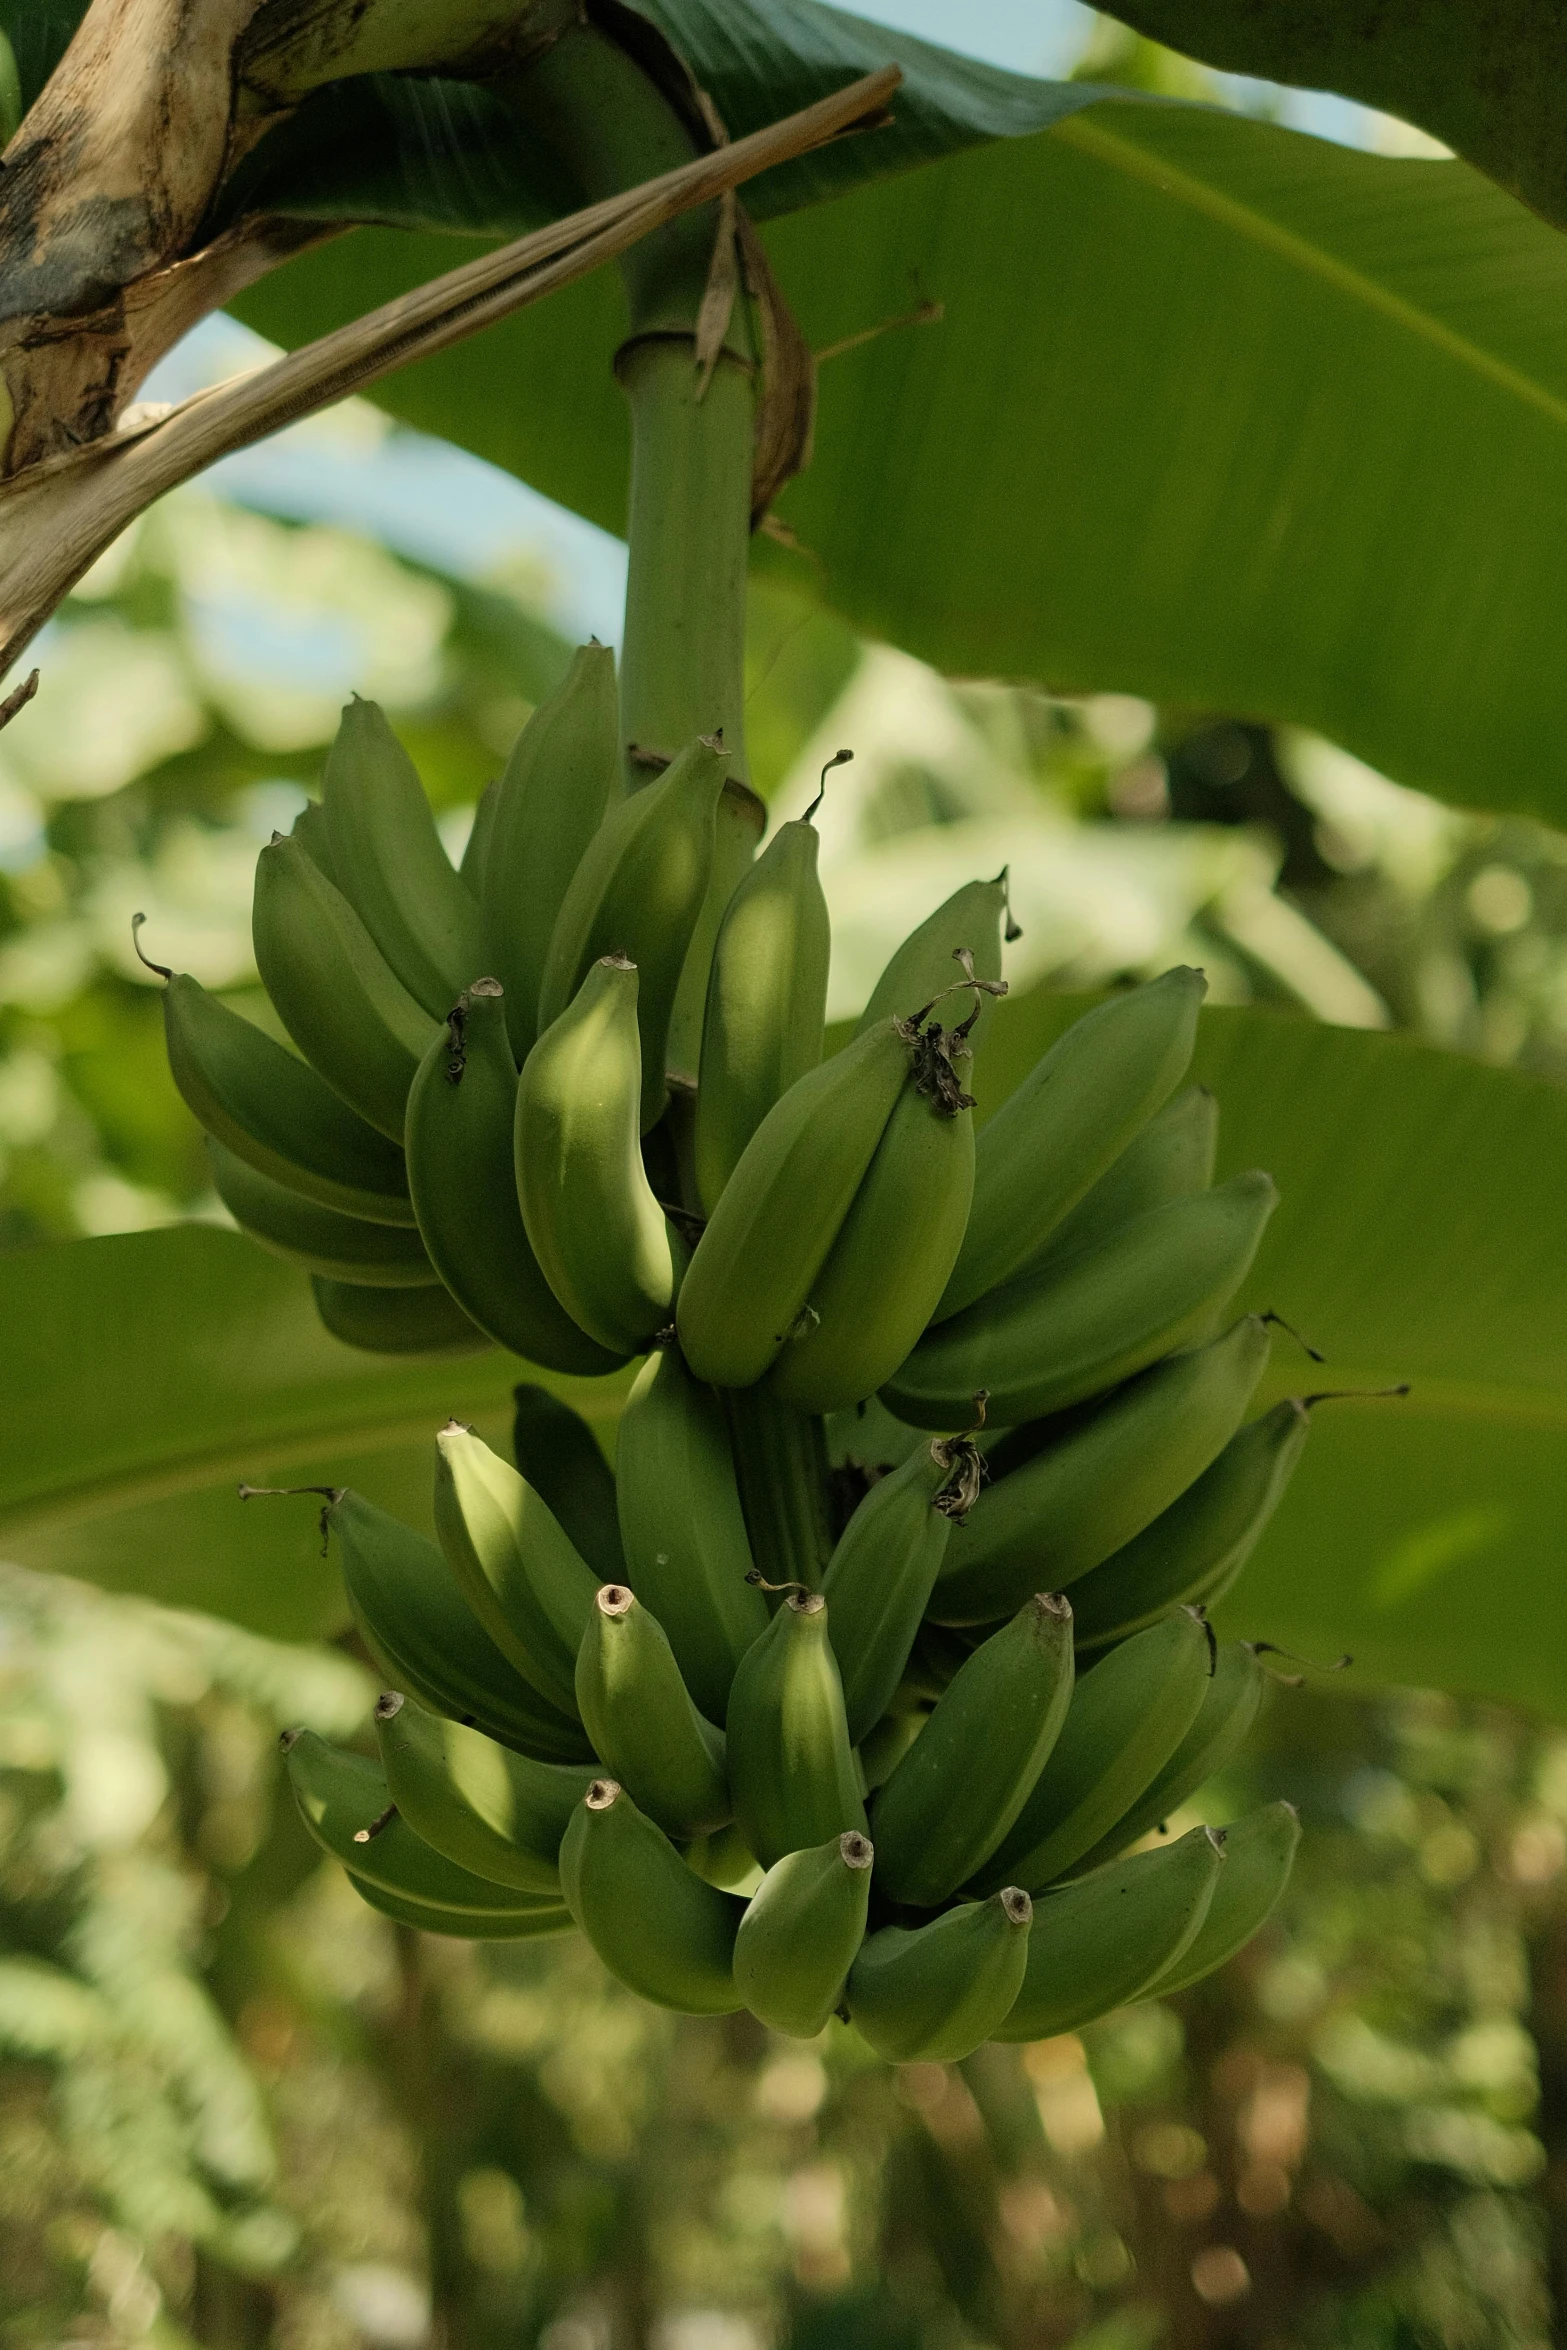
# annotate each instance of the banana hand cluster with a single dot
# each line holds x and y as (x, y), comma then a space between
(868, 1679)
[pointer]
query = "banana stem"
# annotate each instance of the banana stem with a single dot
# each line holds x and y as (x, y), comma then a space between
(692, 431)
(780, 1460)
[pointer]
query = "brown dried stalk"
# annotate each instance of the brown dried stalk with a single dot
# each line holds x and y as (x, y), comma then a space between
(58, 515)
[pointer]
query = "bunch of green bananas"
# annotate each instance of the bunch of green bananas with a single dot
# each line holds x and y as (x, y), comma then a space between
(862, 1683)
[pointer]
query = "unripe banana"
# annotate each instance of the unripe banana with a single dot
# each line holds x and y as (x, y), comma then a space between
(307, 1232)
(1171, 1158)
(792, 1774)
(471, 871)
(428, 1641)
(890, 1261)
(637, 894)
(425, 1321)
(513, 1564)
(1195, 1549)
(591, 1217)
(639, 1715)
(427, 1917)
(800, 1933)
(388, 861)
(886, 1746)
(275, 1113)
(1259, 1852)
(725, 1860)
(1068, 1122)
(766, 1002)
(496, 1812)
(1126, 1719)
(558, 1453)
(350, 1016)
(931, 1994)
(653, 1921)
(879, 1579)
(968, 1775)
(459, 1139)
(344, 1802)
(1084, 1487)
(562, 778)
(935, 1660)
(971, 920)
(738, 825)
(1224, 1718)
(1102, 1941)
(682, 1527)
(309, 828)
(782, 1209)
(1072, 1330)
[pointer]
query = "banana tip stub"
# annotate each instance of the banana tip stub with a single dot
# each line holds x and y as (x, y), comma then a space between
(389, 1705)
(1016, 1903)
(602, 1795)
(857, 1851)
(614, 1600)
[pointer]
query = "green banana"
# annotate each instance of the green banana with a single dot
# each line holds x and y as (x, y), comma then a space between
(1071, 1330)
(738, 826)
(1171, 1158)
(800, 1933)
(351, 1018)
(428, 1641)
(1103, 1940)
(425, 1321)
(272, 1110)
(344, 1802)
(496, 1812)
(1225, 1716)
(936, 1658)
(879, 1579)
(766, 1002)
(1195, 1549)
(891, 1258)
(682, 1527)
(591, 1217)
(458, 1137)
(723, 1859)
(471, 870)
(562, 778)
(792, 1772)
(881, 1752)
(1126, 1719)
(388, 861)
(307, 1232)
(309, 828)
(1098, 1478)
(770, 1233)
(931, 1994)
(1259, 1852)
(653, 1921)
(512, 1563)
(956, 1793)
(427, 1917)
(970, 921)
(637, 894)
(639, 1715)
(1068, 1121)
(559, 1455)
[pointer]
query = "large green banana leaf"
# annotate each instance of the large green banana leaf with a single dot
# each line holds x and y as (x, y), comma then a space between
(1491, 81)
(1214, 412)
(1422, 1235)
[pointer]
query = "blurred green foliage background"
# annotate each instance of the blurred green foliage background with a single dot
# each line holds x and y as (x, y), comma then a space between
(238, 2108)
